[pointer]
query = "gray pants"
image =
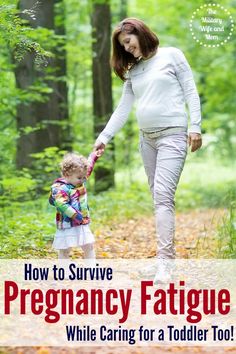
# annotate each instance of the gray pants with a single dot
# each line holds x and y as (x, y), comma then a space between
(163, 159)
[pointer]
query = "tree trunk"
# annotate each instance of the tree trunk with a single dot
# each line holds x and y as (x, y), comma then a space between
(102, 89)
(49, 119)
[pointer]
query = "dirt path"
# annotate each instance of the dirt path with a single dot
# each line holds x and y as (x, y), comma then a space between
(195, 236)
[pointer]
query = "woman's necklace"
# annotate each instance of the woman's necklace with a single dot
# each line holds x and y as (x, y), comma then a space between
(144, 61)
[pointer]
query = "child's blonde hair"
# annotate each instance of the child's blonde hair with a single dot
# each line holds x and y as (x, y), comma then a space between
(72, 162)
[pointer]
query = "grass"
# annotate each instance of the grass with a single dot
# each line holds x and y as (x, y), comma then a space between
(227, 233)
(206, 184)
(203, 184)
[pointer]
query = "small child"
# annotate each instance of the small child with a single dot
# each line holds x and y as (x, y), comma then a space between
(69, 196)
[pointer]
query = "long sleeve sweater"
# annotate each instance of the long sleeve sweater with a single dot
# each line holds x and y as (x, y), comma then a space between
(162, 86)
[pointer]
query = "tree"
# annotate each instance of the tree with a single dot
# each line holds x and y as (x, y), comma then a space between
(123, 9)
(42, 118)
(102, 87)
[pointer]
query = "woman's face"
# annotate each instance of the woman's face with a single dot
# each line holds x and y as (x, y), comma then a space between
(130, 43)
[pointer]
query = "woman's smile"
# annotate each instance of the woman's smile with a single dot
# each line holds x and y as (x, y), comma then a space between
(130, 43)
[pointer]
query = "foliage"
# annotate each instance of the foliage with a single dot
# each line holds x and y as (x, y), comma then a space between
(19, 37)
(16, 39)
(170, 21)
(46, 167)
(26, 233)
(17, 186)
(227, 231)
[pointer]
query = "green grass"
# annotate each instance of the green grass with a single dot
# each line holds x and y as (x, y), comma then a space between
(26, 231)
(206, 184)
(227, 232)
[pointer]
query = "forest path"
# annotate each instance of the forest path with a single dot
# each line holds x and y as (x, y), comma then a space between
(196, 236)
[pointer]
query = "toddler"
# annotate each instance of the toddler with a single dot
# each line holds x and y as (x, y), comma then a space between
(69, 196)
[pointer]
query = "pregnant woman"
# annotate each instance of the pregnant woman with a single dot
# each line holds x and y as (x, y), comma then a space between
(161, 81)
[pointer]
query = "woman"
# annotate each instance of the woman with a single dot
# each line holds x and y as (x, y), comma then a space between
(161, 81)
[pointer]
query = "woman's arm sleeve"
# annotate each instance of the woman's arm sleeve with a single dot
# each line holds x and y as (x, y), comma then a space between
(185, 77)
(120, 115)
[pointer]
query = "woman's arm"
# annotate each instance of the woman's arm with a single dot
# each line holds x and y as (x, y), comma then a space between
(119, 116)
(185, 77)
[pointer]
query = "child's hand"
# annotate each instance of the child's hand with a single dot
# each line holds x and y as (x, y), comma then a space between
(99, 146)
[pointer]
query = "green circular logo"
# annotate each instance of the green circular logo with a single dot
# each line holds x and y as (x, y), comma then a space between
(211, 25)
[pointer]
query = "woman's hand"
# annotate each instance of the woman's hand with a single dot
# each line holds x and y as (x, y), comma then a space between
(195, 141)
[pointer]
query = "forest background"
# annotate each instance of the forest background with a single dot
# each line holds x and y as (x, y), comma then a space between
(57, 92)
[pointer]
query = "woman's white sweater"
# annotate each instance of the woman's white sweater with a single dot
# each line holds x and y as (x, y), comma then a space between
(162, 86)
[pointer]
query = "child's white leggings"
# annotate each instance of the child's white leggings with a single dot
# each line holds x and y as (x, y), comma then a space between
(89, 252)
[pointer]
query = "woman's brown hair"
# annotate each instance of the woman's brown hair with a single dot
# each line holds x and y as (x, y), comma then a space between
(121, 60)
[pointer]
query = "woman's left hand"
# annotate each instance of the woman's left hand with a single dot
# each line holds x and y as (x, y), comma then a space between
(195, 141)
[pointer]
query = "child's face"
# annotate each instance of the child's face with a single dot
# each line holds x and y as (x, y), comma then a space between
(77, 177)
